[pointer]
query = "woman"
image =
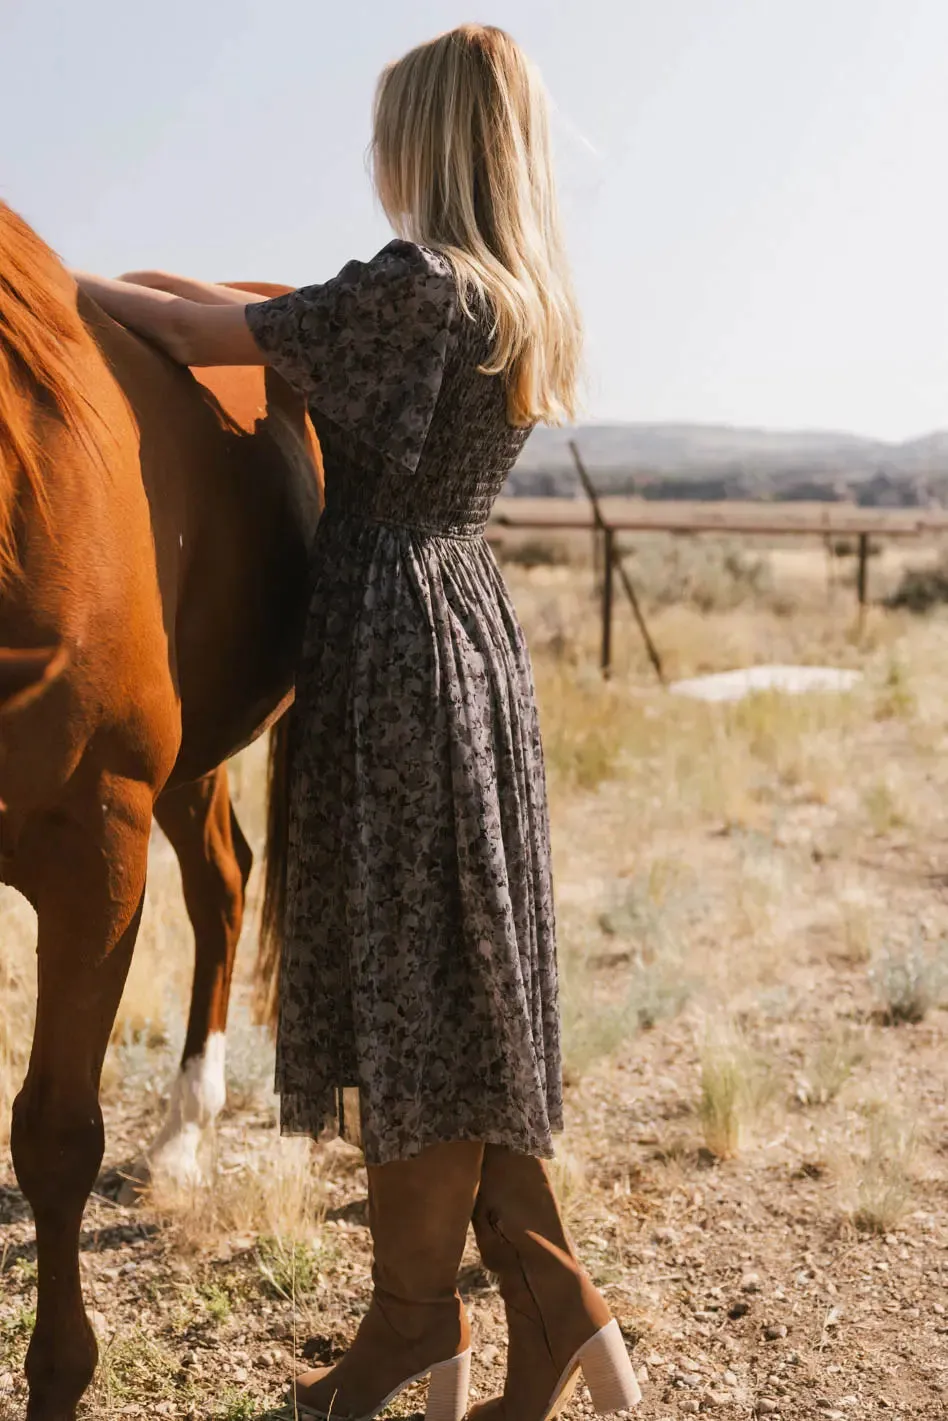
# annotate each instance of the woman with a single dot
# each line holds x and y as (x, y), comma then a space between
(419, 963)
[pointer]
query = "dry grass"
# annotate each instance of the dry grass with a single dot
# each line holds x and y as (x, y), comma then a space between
(859, 923)
(278, 1196)
(717, 761)
(883, 1173)
(597, 1021)
(736, 1084)
(722, 1109)
(17, 1002)
(832, 1065)
(133, 1366)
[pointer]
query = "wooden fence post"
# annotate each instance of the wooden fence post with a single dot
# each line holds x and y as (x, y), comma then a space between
(613, 562)
(862, 579)
(607, 584)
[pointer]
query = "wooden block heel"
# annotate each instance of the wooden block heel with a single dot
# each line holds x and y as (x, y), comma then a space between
(608, 1371)
(448, 1389)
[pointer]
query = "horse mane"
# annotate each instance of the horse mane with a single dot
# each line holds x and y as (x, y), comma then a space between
(40, 334)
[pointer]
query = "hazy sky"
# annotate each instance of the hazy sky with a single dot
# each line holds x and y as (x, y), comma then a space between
(755, 190)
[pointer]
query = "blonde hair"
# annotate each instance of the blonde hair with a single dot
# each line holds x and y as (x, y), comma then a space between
(462, 164)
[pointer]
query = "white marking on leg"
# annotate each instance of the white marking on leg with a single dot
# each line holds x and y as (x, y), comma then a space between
(197, 1099)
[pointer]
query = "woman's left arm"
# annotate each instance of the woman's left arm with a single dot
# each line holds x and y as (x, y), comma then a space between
(191, 332)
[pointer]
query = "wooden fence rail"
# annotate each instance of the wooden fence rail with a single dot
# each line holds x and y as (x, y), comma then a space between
(830, 521)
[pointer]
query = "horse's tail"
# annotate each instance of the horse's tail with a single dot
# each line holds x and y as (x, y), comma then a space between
(270, 949)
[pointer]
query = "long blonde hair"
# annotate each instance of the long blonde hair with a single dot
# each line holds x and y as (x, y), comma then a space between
(462, 164)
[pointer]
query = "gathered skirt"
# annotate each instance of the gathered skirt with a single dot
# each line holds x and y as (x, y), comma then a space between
(419, 971)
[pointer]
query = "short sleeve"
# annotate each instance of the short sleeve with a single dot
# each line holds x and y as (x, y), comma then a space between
(367, 348)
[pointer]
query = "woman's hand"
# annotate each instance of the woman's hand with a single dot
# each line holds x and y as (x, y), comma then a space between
(192, 332)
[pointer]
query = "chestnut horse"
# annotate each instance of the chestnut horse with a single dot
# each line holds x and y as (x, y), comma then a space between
(154, 537)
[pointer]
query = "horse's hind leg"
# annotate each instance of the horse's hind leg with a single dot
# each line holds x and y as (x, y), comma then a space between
(215, 861)
(85, 873)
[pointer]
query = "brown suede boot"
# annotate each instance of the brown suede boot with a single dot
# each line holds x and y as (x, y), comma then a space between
(558, 1323)
(419, 1210)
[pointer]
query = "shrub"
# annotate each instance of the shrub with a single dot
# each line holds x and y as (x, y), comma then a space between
(908, 983)
(533, 552)
(712, 574)
(920, 589)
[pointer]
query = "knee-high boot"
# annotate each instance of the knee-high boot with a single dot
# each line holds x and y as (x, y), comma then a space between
(419, 1211)
(559, 1326)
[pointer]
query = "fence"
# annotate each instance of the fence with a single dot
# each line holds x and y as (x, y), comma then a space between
(829, 521)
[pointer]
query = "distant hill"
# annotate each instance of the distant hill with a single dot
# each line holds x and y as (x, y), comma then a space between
(717, 462)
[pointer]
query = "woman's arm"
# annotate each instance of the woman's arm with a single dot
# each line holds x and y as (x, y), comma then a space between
(206, 293)
(191, 332)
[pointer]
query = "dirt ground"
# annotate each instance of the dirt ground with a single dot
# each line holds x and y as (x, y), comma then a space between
(754, 941)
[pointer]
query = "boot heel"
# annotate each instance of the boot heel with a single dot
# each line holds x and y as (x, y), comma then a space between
(448, 1389)
(608, 1372)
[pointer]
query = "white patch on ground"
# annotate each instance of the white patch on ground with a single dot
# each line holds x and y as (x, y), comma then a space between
(790, 680)
(197, 1098)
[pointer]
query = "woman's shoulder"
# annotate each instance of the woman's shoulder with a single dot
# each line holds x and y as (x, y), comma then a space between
(401, 259)
(404, 282)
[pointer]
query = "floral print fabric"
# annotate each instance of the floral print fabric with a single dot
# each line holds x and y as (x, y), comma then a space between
(420, 963)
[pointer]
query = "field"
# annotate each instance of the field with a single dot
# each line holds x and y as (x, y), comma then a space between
(754, 942)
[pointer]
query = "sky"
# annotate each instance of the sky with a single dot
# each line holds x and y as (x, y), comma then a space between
(754, 191)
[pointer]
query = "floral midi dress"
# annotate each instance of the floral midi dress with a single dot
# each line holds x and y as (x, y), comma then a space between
(419, 966)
